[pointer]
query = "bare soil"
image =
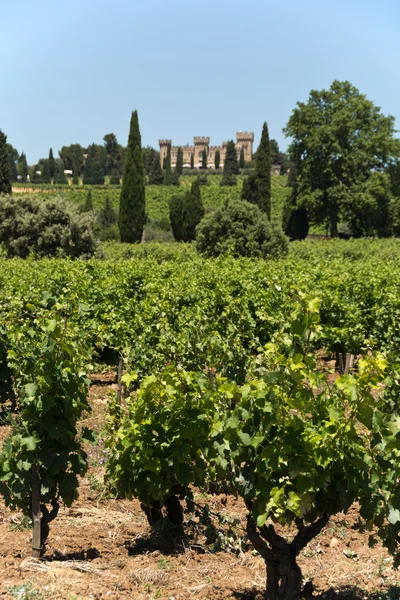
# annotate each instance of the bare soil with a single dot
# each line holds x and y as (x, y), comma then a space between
(103, 548)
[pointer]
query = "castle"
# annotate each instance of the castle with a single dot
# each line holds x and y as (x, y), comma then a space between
(243, 140)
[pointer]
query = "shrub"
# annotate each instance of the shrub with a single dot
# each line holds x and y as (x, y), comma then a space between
(240, 228)
(44, 227)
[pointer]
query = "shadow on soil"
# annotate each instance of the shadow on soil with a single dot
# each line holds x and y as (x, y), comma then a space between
(345, 593)
(164, 537)
(89, 554)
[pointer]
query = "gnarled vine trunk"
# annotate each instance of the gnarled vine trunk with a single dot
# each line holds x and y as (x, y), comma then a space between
(284, 579)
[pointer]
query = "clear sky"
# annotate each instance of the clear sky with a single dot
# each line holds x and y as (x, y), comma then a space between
(72, 72)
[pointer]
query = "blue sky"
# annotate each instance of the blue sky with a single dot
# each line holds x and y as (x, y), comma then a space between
(74, 72)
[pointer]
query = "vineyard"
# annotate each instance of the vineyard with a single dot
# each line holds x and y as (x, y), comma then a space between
(157, 197)
(215, 392)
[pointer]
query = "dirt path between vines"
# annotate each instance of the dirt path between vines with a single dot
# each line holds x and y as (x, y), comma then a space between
(103, 548)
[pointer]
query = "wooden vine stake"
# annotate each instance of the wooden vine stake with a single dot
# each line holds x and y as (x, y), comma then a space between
(36, 541)
(345, 367)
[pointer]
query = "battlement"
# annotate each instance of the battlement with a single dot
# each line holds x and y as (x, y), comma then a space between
(201, 140)
(165, 142)
(244, 136)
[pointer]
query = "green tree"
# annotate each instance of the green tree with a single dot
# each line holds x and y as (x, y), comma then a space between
(88, 206)
(340, 141)
(112, 153)
(22, 167)
(257, 187)
(13, 158)
(192, 161)
(75, 174)
(179, 162)
(132, 204)
(177, 210)
(241, 158)
(170, 178)
(5, 170)
(59, 176)
(72, 156)
(107, 215)
(217, 159)
(45, 172)
(36, 177)
(52, 164)
(241, 229)
(98, 166)
(231, 167)
(115, 178)
(204, 159)
(186, 212)
(156, 176)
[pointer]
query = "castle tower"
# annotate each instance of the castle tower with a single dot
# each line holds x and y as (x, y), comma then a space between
(245, 139)
(200, 144)
(164, 145)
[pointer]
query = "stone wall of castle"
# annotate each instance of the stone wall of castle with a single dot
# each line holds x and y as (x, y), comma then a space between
(200, 144)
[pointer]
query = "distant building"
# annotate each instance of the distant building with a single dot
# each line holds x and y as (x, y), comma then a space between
(243, 140)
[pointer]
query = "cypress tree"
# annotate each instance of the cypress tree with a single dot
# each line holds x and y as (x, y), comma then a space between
(88, 206)
(231, 168)
(156, 176)
(132, 204)
(192, 161)
(204, 159)
(13, 157)
(179, 162)
(257, 187)
(75, 173)
(217, 159)
(5, 171)
(59, 176)
(46, 172)
(194, 211)
(107, 215)
(177, 216)
(23, 167)
(115, 178)
(98, 167)
(241, 158)
(52, 164)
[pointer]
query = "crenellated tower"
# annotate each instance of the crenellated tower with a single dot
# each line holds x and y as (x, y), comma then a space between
(200, 144)
(245, 139)
(164, 145)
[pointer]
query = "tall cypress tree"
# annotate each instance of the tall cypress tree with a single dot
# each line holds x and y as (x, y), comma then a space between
(23, 167)
(192, 161)
(217, 159)
(241, 158)
(98, 167)
(52, 164)
(132, 204)
(257, 187)
(204, 159)
(231, 168)
(5, 171)
(179, 162)
(89, 166)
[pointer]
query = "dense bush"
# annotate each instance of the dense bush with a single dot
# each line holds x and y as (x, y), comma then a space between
(46, 228)
(240, 228)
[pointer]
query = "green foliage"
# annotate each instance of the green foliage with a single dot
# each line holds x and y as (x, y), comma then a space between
(47, 357)
(186, 212)
(5, 170)
(217, 159)
(170, 177)
(107, 215)
(52, 164)
(158, 448)
(43, 228)
(192, 161)
(241, 158)
(239, 228)
(179, 162)
(132, 206)
(155, 174)
(341, 144)
(231, 167)
(115, 178)
(204, 159)
(22, 167)
(46, 172)
(13, 158)
(112, 154)
(257, 187)
(88, 206)
(94, 168)
(294, 220)
(59, 176)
